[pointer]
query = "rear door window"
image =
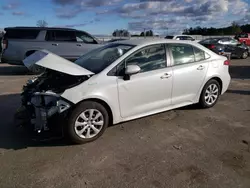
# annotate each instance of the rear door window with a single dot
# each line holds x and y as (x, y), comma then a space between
(184, 38)
(169, 37)
(189, 38)
(61, 36)
(21, 33)
(182, 53)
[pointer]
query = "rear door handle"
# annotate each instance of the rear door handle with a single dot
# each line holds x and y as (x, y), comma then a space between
(54, 44)
(201, 67)
(78, 45)
(166, 75)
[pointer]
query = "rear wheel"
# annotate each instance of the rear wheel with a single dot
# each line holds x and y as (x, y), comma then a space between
(87, 122)
(210, 94)
(244, 55)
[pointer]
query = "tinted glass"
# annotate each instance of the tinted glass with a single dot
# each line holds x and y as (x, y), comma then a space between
(243, 35)
(224, 40)
(149, 58)
(59, 35)
(209, 41)
(169, 37)
(190, 38)
(182, 53)
(100, 58)
(84, 37)
(199, 54)
(22, 33)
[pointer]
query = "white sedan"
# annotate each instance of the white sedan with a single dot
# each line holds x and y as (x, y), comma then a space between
(121, 81)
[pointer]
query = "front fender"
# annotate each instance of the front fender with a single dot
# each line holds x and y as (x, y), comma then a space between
(86, 91)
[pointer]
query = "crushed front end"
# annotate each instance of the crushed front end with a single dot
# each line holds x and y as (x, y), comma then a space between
(43, 110)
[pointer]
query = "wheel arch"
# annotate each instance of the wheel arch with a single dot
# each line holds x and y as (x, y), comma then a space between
(30, 51)
(102, 102)
(218, 79)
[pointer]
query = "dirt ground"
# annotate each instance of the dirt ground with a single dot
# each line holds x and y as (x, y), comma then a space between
(186, 148)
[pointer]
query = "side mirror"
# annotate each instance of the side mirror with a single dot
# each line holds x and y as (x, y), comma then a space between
(130, 70)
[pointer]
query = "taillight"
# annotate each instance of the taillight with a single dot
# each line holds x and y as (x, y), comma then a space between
(5, 44)
(211, 46)
(227, 62)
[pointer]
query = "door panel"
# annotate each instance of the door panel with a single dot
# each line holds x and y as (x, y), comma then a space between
(151, 88)
(62, 43)
(188, 79)
(189, 70)
(145, 92)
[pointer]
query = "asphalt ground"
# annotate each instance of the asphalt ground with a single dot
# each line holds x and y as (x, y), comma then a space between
(186, 147)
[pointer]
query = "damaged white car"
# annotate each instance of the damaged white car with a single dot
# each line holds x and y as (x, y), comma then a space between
(121, 81)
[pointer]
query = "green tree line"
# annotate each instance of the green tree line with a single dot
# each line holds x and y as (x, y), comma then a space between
(231, 30)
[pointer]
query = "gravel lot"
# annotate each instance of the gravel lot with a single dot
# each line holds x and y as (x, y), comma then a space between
(187, 147)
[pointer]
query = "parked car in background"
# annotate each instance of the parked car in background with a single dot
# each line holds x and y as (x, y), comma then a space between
(0, 46)
(20, 42)
(224, 44)
(118, 82)
(243, 38)
(180, 37)
(115, 40)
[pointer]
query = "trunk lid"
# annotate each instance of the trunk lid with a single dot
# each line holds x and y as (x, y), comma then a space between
(54, 62)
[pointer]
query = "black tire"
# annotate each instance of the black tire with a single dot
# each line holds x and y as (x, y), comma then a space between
(202, 102)
(244, 55)
(70, 127)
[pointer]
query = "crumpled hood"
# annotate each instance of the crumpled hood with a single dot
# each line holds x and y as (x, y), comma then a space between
(52, 61)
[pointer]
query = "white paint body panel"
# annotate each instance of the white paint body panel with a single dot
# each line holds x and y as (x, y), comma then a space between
(146, 93)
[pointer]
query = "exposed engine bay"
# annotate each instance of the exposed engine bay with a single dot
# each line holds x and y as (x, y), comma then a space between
(41, 100)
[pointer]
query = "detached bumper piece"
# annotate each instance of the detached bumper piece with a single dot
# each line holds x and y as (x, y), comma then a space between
(42, 114)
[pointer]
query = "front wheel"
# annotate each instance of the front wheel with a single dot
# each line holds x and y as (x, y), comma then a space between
(210, 94)
(87, 122)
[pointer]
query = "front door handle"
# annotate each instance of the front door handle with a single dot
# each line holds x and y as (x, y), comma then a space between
(166, 75)
(201, 67)
(54, 44)
(78, 45)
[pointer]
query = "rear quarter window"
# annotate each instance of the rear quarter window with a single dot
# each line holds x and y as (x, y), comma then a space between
(21, 34)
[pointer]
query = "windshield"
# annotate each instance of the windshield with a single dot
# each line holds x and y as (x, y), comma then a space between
(100, 58)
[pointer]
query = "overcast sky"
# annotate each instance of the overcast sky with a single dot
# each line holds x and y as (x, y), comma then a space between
(103, 16)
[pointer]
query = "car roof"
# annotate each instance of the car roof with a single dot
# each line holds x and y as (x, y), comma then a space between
(142, 42)
(182, 35)
(41, 28)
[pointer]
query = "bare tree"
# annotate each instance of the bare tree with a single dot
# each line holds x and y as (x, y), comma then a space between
(41, 23)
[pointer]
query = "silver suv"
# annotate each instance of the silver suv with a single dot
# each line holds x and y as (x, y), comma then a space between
(20, 42)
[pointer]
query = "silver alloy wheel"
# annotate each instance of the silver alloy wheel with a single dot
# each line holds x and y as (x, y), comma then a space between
(89, 123)
(211, 94)
(244, 55)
